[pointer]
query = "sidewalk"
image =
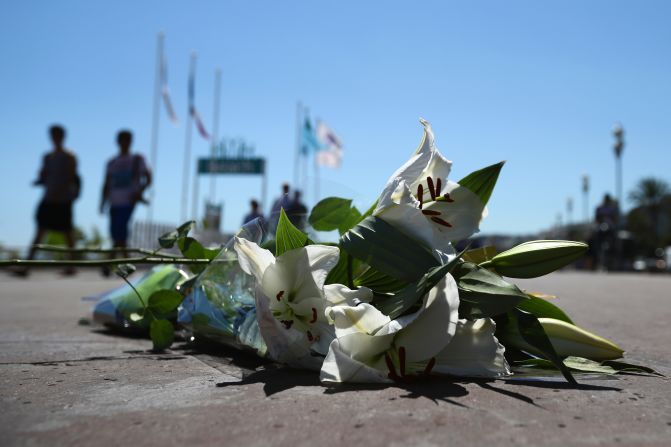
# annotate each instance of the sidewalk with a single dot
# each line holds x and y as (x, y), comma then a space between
(62, 383)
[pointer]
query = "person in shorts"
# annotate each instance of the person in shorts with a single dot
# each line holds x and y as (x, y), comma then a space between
(58, 175)
(126, 178)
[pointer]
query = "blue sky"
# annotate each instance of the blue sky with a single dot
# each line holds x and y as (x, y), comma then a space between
(539, 84)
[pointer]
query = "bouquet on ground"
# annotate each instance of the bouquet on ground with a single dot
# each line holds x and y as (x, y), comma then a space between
(392, 300)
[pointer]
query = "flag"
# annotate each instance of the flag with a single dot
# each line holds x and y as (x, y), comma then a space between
(192, 109)
(309, 142)
(331, 151)
(327, 137)
(165, 92)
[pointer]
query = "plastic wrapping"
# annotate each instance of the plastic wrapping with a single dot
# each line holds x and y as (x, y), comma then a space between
(114, 307)
(221, 306)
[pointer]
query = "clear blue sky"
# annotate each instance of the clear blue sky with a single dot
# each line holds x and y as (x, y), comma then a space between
(538, 86)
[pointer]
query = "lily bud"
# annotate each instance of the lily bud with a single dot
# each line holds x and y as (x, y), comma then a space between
(570, 340)
(536, 258)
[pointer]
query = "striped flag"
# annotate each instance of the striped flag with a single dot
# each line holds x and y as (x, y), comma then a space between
(165, 92)
(331, 151)
(192, 109)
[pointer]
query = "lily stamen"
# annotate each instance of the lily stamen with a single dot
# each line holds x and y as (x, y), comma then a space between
(420, 195)
(442, 222)
(431, 213)
(390, 366)
(401, 358)
(432, 189)
(280, 295)
(438, 185)
(314, 315)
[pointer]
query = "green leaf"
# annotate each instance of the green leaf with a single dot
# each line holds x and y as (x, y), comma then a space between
(125, 270)
(531, 331)
(388, 250)
(483, 293)
(622, 367)
(164, 301)
(338, 274)
(162, 334)
(541, 308)
(193, 249)
(287, 236)
(334, 213)
(379, 282)
(482, 182)
(184, 229)
(584, 365)
(397, 304)
(168, 239)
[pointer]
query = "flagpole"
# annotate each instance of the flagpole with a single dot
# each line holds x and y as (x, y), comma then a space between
(215, 130)
(297, 154)
(155, 121)
(187, 142)
(304, 182)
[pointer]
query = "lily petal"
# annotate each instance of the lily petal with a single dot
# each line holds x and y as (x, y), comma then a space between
(253, 259)
(338, 294)
(340, 366)
(473, 352)
(364, 318)
(430, 329)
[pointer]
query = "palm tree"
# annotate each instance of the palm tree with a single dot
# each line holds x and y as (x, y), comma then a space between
(649, 194)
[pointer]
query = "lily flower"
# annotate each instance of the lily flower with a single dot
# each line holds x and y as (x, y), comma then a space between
(370, 347)
(291, 298)
(420, 200)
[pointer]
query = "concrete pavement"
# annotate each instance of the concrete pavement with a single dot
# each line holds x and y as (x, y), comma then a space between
(66, 384)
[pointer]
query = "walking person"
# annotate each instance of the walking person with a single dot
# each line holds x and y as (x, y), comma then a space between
(281, 203)
(126, 178)
(297, 211)
(58, 175)
(254, 213)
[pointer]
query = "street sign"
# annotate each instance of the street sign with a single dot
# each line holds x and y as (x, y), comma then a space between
(231, 166)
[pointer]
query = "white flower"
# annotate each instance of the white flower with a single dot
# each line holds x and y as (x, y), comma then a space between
(291, 298)
(372, 348)
(420, 200)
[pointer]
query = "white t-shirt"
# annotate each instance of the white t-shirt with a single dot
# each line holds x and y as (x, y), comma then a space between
(126, 175)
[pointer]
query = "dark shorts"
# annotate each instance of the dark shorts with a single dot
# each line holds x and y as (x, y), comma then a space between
(119, 218)
(54, 216)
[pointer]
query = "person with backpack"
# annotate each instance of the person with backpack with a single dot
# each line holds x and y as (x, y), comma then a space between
(126, 178)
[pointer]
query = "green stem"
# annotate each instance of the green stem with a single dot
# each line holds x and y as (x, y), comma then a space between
(144, 305)
(55, 248)
(102, 262)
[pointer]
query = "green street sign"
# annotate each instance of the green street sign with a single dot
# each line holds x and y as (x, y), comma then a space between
(231, 165)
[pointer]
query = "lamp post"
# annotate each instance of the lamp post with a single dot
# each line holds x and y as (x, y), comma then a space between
(585, 197)
(618, 147)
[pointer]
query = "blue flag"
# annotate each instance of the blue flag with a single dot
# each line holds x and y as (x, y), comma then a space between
(309, 142)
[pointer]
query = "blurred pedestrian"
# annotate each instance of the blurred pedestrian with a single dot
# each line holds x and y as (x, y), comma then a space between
(126, 178)
(254, 213)
(62, 185)
(297, 211)
(282, 202)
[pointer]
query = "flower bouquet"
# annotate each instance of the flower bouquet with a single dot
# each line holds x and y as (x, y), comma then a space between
(393, 300)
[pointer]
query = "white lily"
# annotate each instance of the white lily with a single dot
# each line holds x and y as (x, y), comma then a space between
(369, 347)
(291, 299)
(420, 200)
